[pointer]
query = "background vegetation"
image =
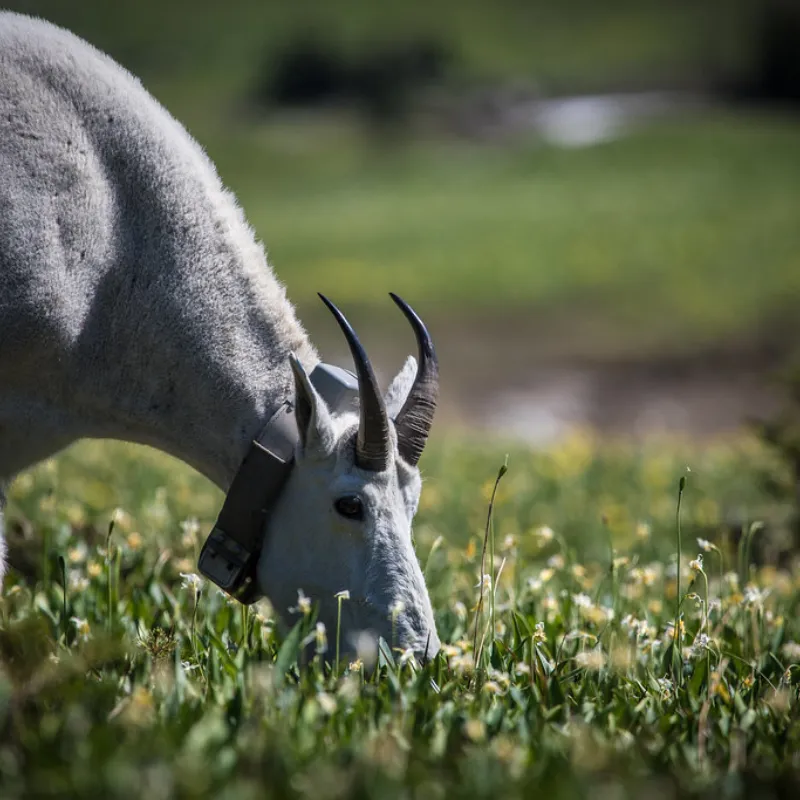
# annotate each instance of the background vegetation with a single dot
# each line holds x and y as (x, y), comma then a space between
(686, 230)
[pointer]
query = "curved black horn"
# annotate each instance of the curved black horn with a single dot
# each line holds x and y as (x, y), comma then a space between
(413, 423)
(373, 442)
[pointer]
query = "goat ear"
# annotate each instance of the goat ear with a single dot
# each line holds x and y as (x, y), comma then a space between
(399, 388)
(313, 418)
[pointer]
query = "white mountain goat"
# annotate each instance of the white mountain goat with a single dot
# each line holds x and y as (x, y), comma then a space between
(136, 304)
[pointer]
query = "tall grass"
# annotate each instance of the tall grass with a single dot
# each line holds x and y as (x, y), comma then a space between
(573, 693)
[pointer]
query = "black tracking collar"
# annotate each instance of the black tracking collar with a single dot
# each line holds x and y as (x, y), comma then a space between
(230, 554)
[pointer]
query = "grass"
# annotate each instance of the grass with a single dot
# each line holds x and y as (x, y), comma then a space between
(140, 681)
(688, 230)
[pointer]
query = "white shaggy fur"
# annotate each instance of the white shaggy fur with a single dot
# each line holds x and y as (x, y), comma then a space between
(136, 304)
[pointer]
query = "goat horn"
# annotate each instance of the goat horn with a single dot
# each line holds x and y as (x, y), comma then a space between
(413, 423)
(373, 442)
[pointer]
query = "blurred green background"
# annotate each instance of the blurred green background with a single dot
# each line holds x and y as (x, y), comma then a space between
(593, 201)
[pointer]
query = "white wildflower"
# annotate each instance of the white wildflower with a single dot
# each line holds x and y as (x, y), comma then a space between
(666, 686)
(556, 561)
(77, 583)
(321, 638)
(582, 600)
(82, 628)
(78, 554)
(755, 597)
(538, 632)
(303, 604)
(590, 659)
(191, 530)
(699, 646)
(791, 650)
(460, 610)
(191, 581)
(406, 656)
(121, 518)
(545, 534)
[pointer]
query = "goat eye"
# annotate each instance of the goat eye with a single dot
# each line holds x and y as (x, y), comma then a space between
(350, 506)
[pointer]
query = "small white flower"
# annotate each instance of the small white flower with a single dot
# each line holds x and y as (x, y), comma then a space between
(327, 702)
(485, 583)
(82, 627)
(460, 610)
(556, 561)
(590, 659)
(699, 646)
(321, 637)
(77, 583)
(705, 545)
(303, 604)
(406, 656)
(753, 596)
(643, 530)
(191, 530)
(191, 581)
(696, 564)
(582, 600)
(77, 554)
(665, 684)
(121, 517)
(732, 579)
(545, 534)
(190, 526)
(343, 595)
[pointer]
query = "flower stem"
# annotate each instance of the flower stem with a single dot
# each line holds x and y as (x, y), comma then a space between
(677, 637)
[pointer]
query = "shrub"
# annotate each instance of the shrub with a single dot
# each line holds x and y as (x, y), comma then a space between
(380, 80)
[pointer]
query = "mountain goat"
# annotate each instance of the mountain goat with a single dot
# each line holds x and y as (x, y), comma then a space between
(136, 304)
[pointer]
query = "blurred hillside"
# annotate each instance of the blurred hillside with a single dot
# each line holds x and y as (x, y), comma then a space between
(417, 147)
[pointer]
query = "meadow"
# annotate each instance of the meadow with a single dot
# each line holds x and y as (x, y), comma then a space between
(125, 675)
(682, 234)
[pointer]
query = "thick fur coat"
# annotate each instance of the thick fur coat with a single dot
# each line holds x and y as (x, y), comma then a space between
(136, 304)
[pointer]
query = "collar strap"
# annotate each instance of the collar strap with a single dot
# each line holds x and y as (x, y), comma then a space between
(230, 554)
